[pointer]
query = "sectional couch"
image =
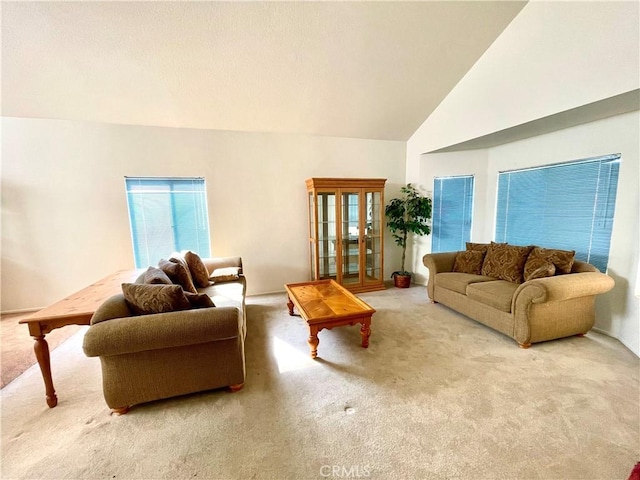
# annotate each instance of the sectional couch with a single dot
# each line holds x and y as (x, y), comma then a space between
(528, 293)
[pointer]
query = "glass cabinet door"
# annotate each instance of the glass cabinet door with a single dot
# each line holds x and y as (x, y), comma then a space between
(373, 237)
(350, 217)
(327, 236)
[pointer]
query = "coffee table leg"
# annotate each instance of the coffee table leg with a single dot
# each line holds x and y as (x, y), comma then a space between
(313, 341)
(290, 305)
(41, 348)
(365, 332)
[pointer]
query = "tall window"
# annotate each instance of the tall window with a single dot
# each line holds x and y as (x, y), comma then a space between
(452, 209)
(167, 215)
(568, 206)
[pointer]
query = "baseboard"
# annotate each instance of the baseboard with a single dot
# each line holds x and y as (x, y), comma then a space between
(603, 332)
(22, 310)
(257, 294)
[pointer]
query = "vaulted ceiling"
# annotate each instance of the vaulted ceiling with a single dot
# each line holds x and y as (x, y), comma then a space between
(350, 69)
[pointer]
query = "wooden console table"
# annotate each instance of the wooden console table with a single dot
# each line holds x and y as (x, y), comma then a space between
(76, 309)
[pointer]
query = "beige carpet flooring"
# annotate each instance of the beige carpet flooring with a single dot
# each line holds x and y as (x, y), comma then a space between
(16, 345)
(435, 396)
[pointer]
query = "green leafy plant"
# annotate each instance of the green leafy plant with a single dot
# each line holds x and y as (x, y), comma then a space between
(411, 213)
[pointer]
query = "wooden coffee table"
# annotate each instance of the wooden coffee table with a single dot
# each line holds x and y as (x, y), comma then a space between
(326, 304)
(76, 309)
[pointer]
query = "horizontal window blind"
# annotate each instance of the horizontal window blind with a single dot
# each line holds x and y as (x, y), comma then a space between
(167, 215)
(568, 206)
(452, 211)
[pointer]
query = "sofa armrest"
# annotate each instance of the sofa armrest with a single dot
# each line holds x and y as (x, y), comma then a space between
(162, 330)
(223, 262)
(556, 307)
(561, 287)
(437, 263)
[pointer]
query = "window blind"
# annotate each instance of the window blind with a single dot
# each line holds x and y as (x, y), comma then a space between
(452, 210)
(568, 206)
(167, 215)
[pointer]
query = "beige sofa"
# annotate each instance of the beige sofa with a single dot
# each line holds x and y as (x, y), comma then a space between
(161, 355)
(533, 311)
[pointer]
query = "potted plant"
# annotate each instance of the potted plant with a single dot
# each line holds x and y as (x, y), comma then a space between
(411, 213)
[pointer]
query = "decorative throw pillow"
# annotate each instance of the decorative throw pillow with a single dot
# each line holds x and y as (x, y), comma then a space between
(505, 262)
(226, 274)
(562, 259)
(198, 269)
(154, 275)
(146, 299)
(545, 270)
(469, 261)
(481, 247)
(177, 257)
(178, 275)
(199, 300)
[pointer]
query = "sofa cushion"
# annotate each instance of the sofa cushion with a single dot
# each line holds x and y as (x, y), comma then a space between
(497, 294)
(458, 282)
(179, 274)
(562, 259)
(227, 294)
(469, 261)
(199, 300)
(197, 268)
(153, 275)
(505, 262)
(147, 298)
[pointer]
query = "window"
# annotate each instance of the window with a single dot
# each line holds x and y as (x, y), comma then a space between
(167, 215)
(568, 206)
(452, 207)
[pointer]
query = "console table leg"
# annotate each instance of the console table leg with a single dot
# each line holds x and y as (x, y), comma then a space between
(365, 332)
(290, 305)
(41, 348)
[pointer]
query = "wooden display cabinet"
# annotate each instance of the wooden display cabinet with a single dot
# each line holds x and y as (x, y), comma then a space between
(346, 231)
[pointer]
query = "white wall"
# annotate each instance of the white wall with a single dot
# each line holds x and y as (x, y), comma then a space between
(554, 56)
(64, 213)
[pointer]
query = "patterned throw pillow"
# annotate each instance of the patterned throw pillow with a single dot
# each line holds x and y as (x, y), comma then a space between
(481, 247)
(176, 257)
(545, 270)
(505, 262)
(198, 269)
(469, 261)
(199, 300)
(562, 259)
(144, 299)
(178, 275)
(154, 275)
